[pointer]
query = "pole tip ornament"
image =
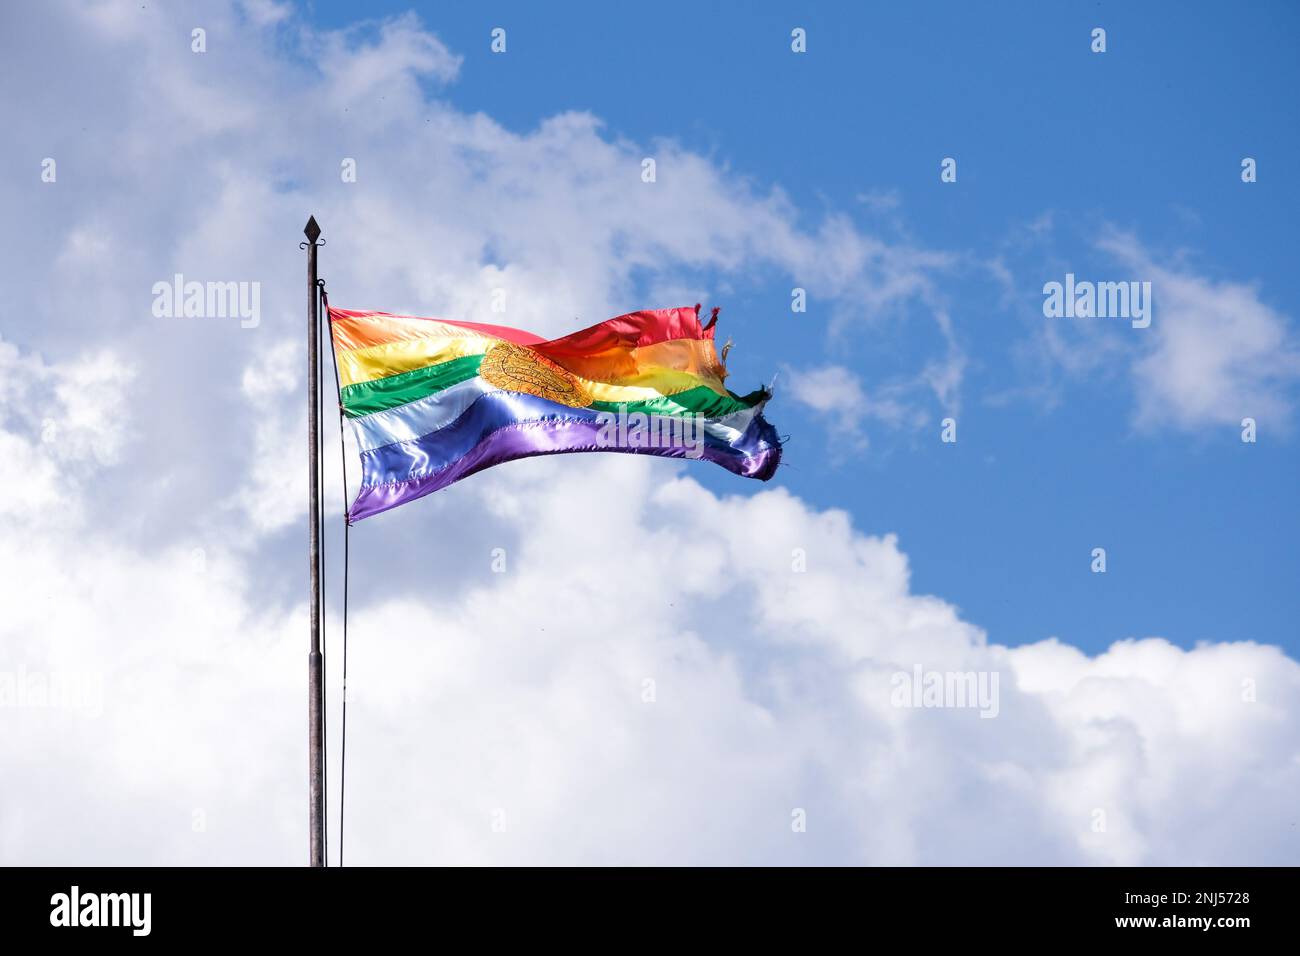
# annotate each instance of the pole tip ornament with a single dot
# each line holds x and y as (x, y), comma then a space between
(312, 230)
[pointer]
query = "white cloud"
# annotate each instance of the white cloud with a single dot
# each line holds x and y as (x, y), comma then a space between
(827, 389)
(836, 393)
(60, 423)
(1215, 352)
(365, 74)
(272, 495)
(522, 697)
(1220, 352)
(266, 12)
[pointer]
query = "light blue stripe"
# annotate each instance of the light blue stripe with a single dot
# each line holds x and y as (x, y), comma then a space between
(414, 419)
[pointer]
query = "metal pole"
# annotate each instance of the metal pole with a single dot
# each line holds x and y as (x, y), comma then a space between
(315, 662)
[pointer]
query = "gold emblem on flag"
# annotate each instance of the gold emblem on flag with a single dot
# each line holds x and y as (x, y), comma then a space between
(517, 368)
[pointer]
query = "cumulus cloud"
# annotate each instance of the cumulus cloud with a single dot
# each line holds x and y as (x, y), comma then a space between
(78, 424)
(271, 495)
(671, 683)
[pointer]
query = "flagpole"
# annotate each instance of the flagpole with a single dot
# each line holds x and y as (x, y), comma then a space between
(315, 662)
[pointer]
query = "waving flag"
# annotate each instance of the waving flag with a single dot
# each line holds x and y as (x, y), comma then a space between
(432, 401)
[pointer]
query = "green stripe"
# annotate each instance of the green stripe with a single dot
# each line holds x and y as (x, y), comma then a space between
(367, 397)
(700, 400)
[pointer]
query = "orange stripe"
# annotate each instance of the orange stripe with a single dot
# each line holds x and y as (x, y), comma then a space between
(695, 357)
(373, 345)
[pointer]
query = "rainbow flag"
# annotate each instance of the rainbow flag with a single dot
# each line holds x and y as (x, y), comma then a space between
(431, 401)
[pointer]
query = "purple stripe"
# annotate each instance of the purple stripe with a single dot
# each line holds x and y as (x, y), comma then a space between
(549, 437)
(437, 448)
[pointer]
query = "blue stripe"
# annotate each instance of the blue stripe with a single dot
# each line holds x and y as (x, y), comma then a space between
(426, 455)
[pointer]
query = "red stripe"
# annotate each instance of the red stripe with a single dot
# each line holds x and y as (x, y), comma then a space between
(630, 331)
(518, 336)
(622, 333)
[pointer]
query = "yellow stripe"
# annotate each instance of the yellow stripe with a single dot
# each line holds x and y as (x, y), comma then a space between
(393, 358)
(626, 380)
(693, 356)
(666, 382)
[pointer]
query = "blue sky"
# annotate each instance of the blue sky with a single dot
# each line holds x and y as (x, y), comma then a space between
(1146, 138)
